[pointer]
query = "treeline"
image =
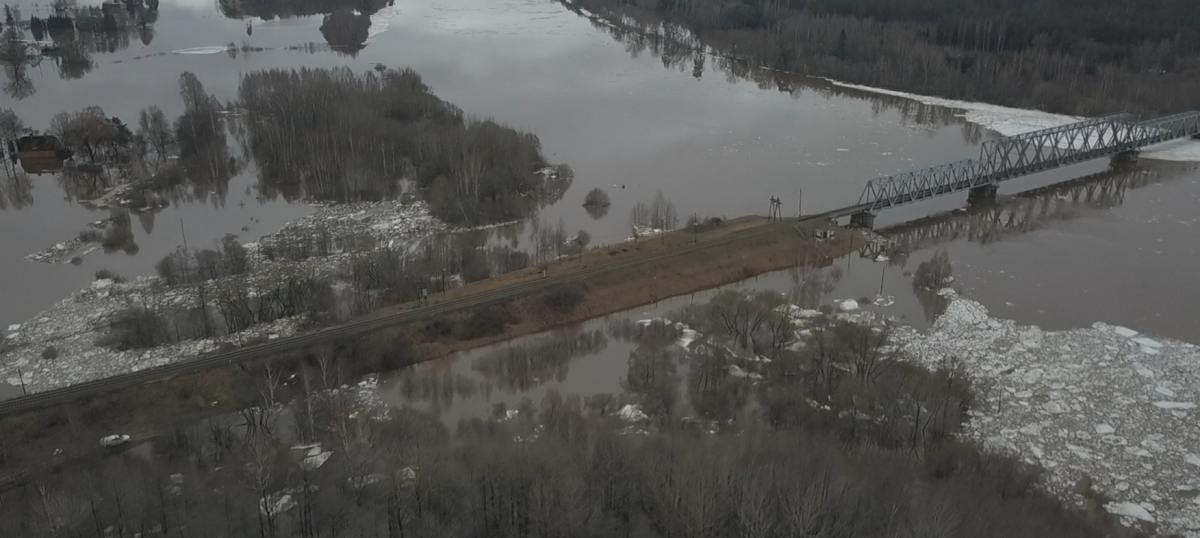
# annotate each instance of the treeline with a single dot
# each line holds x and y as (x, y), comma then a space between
(318, 134)
(228, 289)
(831, 438)
(332, 134)
(1112, 29)
(1065, 57)
(285, 9)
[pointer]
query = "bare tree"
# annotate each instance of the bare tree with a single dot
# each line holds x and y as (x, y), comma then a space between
(155, 131)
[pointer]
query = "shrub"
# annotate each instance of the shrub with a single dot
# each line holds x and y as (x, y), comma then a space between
(597, 198)
(563, 299)
(106, 274)
(435, 329)
(50, 353)
(136, 328)
(934, 273)
(696, 224)
(484, 322)
(91, 236)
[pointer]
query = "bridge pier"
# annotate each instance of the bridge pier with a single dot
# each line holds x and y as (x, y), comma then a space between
(864, 220)
(983, 194)
(1126, 157)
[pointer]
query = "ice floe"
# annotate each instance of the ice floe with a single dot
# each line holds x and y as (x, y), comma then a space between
(1083, 402)
(75, 326)
(201, 50)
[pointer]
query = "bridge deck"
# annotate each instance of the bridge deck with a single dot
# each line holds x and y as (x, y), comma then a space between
(1015, 156)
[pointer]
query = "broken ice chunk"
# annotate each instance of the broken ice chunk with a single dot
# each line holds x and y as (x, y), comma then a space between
(1104, 429)
(1146, 342)
(1126, 332)
(1175, 405)
(1165, 392)
(1131, 510)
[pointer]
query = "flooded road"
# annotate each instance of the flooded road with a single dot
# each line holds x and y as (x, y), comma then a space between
(631, 118)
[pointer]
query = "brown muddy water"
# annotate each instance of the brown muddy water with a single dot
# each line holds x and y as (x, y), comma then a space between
(716, 142)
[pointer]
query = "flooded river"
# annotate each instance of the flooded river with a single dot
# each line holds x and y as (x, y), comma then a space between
(717, 141)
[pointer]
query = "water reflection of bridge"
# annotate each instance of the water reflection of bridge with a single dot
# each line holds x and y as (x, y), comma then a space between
(1025, 212)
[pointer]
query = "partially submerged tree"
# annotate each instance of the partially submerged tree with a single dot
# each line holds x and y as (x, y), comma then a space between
(596, 198)
(155, 131)
(94, 136)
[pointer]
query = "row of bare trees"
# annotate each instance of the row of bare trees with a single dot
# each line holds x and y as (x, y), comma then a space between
(831, 439)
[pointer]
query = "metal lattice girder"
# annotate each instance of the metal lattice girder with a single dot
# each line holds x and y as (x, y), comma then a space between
(920, 184)
(1167, 128)
(1014, 156)
(1006, 158)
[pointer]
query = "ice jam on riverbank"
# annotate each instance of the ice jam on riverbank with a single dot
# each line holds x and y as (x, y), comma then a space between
(62, 345)
(1101, 404)
(1014, 121)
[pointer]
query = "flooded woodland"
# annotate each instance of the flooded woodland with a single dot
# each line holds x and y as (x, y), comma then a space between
(503, 117)
(628, 115)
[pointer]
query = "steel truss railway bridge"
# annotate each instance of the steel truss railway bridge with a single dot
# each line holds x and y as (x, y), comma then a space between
(1015, 156)
(1023, 213)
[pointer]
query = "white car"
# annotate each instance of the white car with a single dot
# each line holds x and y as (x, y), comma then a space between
(114, 440)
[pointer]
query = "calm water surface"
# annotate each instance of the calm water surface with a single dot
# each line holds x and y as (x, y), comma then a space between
(715, 143)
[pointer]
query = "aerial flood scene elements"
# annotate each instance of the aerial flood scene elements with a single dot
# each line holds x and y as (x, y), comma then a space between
(609, 268)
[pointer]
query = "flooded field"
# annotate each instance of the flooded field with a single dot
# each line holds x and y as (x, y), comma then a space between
(630, 117)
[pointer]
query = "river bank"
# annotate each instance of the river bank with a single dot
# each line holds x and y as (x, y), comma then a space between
(743, 248)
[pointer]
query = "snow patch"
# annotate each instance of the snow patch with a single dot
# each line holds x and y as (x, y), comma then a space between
(632, 413)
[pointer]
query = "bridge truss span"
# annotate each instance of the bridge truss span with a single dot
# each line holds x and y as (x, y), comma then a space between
(1006, 158)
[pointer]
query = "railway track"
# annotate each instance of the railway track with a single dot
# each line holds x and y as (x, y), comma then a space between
(369, 324)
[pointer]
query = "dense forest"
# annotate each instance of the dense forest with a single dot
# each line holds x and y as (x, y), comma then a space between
(1083, 58)
(744, 432)
(337, 135)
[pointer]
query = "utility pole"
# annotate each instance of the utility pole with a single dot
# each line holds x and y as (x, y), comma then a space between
(21, 376)
(800, 206)
(881, 275)
(695, 228)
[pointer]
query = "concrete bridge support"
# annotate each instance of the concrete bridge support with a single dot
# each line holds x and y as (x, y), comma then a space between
(864, 220)
(982, 194)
